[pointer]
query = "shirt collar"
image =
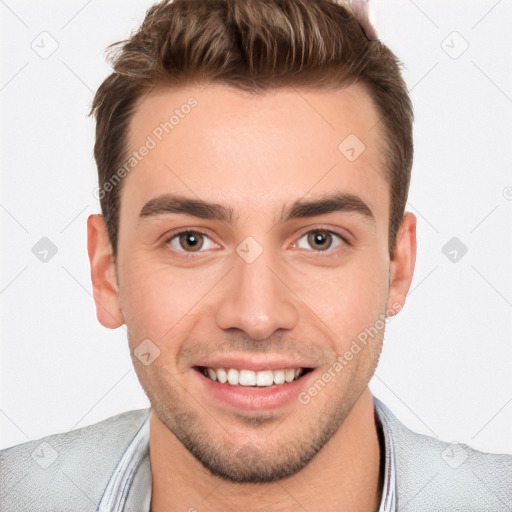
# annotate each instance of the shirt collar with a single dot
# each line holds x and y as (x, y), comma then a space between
(388, 501)
(130, 482)
(129, 488)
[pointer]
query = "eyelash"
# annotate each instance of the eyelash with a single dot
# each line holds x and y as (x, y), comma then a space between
(194, 254)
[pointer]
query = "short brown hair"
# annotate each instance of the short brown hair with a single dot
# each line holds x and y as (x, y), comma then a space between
(255, 46)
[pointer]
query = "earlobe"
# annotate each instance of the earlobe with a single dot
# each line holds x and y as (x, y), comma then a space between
(103, 277)
(402, 264)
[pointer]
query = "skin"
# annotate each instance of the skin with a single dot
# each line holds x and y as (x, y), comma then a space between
(256, 155)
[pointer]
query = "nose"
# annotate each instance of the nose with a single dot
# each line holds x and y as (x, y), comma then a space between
(256, 301)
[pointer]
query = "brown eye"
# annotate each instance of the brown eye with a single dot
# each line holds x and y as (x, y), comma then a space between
(320, 240)
(191, 241)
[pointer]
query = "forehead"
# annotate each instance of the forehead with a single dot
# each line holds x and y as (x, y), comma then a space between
(257, 151)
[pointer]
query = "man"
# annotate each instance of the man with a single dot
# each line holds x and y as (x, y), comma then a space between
(254, 161)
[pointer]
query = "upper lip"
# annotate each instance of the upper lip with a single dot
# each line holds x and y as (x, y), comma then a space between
(254, 363)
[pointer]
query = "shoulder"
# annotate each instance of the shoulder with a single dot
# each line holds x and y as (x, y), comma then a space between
(437, 475)
(66, 471)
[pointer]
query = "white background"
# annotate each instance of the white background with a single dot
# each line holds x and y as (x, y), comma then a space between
(445, 369)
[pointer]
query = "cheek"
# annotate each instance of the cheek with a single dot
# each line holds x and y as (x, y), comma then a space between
(349, 299)
(157, 299)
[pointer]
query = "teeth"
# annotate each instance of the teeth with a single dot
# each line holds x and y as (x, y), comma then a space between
(221, 375)
(247, 378)
(233, 376)
(265, 378)
(279, 377)
(242, 377)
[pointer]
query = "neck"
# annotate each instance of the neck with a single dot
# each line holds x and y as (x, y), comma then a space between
(344, 474)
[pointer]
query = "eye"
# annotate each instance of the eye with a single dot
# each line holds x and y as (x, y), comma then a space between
(320, 240)
(191, 241)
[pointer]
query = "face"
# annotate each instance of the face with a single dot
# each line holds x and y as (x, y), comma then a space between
(251, 240)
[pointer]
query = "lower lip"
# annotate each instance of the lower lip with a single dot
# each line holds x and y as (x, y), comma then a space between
(250, 398)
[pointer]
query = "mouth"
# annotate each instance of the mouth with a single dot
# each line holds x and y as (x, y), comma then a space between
(251, 390)
(251, 378)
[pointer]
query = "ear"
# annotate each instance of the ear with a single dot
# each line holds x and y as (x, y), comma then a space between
(402, 264)
(103, 273)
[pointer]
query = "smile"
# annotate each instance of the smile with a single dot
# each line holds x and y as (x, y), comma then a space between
(260, 389)
(251, 378)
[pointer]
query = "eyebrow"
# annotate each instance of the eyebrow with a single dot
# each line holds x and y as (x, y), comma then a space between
(329, 203)
(168, 203)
